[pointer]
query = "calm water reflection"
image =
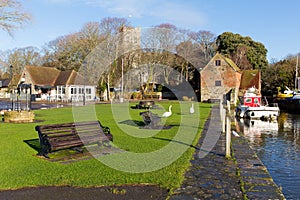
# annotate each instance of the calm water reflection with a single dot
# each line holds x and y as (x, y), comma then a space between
(278, 146)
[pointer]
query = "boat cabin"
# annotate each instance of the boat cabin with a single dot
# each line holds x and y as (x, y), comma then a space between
(252, 101)
(251, 98)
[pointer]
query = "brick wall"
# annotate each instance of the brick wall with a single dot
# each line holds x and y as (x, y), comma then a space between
(217, 78)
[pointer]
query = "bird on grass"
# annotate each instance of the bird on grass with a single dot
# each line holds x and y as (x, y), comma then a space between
(192, 110)
(168, 113)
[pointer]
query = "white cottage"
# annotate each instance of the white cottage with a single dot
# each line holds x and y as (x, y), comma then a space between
(51, 84)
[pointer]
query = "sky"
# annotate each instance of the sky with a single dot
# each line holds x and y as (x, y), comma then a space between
(274, 23)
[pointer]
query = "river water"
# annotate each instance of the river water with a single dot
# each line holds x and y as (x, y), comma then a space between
(277, 144)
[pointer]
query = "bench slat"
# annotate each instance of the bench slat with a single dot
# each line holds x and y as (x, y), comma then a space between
(62, 136)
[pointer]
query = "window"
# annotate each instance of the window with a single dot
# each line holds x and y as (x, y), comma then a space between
(88, 90)
(61, 90)
(248, 100)
(218, 62)
(73, 91)
(218, 83)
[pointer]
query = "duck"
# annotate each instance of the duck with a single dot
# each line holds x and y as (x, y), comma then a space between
(169, 113)
(192, 110)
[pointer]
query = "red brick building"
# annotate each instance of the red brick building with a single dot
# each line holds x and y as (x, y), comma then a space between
(220, 76)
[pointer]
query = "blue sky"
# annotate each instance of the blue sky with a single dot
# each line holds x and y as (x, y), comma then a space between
(273, 23)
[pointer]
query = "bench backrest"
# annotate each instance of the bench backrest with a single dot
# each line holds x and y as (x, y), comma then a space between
(60, 136)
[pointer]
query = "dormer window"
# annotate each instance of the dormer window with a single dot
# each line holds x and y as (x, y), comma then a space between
(218, 62)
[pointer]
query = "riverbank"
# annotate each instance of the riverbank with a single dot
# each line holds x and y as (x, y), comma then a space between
(214, 177)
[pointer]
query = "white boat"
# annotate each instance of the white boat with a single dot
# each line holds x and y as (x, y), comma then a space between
(252, 107)
(262, 112)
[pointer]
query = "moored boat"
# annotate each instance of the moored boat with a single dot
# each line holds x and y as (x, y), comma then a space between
(252, 107)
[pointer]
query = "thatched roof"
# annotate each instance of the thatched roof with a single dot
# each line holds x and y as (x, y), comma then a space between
(48, 76)
(63, 77)
(43, 76)
(69, 77)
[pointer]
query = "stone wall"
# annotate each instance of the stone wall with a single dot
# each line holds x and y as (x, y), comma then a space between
(217, 80)
(18, 116)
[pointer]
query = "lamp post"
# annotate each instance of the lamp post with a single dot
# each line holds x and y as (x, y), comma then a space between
(199, 85)
(11, 89)
(84, 80)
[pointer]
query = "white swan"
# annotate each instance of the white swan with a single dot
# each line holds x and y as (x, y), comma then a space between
(169, 113)
(192, 110)
(235, 134)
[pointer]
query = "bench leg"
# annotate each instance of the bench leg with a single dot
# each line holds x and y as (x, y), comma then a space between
(78, 149)
(45, 154)
(44, 151)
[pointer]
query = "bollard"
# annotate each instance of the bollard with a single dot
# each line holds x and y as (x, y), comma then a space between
(228, 132)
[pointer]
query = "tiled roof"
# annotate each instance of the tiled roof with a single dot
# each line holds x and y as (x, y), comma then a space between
(229, 62)
(232, 64)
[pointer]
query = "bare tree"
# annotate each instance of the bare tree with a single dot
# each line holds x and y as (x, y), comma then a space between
(12, 16)
(206, 41)
(112, 25)
(110, 28)
(20, 57)
(91, 35)
(69, 51)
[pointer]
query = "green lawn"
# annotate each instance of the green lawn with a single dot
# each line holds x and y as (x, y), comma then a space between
(157, 157)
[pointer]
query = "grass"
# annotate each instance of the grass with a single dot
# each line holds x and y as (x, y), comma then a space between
(158, 157)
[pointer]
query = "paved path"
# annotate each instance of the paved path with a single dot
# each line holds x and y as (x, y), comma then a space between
(214, 177)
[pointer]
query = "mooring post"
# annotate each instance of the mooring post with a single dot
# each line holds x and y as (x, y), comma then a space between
(228, 131)
(223, 116)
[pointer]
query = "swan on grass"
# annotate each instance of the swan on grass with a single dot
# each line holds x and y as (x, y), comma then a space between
(169, 113)
(192, 110)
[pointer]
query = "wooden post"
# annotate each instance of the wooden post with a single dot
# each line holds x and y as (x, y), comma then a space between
(228, 131)
(223, 115)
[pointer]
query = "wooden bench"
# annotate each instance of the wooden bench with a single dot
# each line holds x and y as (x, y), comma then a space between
(151, 120)
(75, 135)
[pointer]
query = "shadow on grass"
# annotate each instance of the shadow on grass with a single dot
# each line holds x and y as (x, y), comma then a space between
(135, 123)
(34, 143)
(179, 142)
(192, 146)
(63, 156)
